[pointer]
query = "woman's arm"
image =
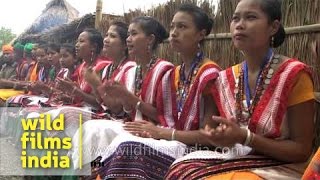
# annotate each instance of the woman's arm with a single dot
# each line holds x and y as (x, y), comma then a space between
(299, 147)
(295, 149)
(111, 102)
(88, 98)
(192, 137)
(131, 102)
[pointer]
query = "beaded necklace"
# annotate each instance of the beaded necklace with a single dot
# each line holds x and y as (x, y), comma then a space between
(186, 82)
(138, 76)
(245, 108)
(112, 68)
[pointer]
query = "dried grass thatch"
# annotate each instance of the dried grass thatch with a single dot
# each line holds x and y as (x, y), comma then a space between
(57, 12)
(295, 13)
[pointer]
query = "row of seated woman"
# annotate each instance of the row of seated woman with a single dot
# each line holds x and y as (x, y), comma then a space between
(145, 118)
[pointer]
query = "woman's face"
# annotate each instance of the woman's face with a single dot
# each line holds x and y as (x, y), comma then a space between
(84, 48)
(67, 60)
(33, 51)
(42, 57)
(137, 41)
(250, 27)
(53, 56)
(112, 44)
(184, 35)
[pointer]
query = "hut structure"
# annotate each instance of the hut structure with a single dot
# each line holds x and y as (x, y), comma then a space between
(300, 19)
(57, 12)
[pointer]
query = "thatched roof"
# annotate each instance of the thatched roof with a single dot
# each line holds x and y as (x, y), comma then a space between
(57, 12)
(69, 32)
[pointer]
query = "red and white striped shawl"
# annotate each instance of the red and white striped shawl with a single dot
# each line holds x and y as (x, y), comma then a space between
(97, 67)
(191, 115)
(118, 73)
(270, 111)
(150, 82)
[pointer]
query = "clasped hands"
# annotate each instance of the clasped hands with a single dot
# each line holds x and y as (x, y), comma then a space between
(226, 134)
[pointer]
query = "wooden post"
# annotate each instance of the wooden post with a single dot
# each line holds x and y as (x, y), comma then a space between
(98, 14)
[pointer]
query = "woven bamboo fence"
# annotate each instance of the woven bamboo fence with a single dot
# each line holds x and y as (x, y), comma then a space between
(219, 47)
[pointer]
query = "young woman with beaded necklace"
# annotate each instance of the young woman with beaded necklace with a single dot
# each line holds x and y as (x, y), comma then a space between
(266, 106)
(136, 97)
(158, 143)
(115, 49)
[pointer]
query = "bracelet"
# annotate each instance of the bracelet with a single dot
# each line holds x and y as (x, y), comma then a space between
(15, 85)
(249, 138)
(74, 89)
(138, 105)
(173, 134)
(126, 111)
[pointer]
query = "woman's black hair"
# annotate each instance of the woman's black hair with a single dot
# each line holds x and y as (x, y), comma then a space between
(43, 46)
(272, 8)
(69, 48)
(54, 46)
(150, 26)
(200, 17)
(122, 30)
(95, 37)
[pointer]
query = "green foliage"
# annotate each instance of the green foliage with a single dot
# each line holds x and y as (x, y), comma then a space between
(6, 36)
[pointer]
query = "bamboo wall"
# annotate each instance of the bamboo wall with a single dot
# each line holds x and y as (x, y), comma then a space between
(295, 13)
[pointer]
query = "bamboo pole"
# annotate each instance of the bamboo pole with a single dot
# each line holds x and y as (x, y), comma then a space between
(303, 29)
(290, 30)
(98, 14)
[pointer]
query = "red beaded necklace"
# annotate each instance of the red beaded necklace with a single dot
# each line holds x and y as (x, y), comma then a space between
(138, 80)
(244, 113)
(186, 82)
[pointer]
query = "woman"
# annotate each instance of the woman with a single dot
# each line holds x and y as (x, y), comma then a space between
(88, 48)
(141, 81)
(53, 57)
(68, 63)
(115, 49)
(261, 104)
(189, 26)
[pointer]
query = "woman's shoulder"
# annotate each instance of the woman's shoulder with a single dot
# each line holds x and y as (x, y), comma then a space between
(210, 63)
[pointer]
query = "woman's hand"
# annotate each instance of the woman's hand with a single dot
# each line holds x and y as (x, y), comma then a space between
(92, 78)
(143, 129)
(226, 134)
(66, 85)
(36, 87)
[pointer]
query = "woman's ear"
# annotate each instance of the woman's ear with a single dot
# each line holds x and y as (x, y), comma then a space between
(202, 34)
(152, 40)
(94, 48)
(275, 27)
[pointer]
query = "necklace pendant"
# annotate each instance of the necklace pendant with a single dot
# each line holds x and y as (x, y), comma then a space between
(271, 71)
(267, 81)
(276, 56)
(245, 114)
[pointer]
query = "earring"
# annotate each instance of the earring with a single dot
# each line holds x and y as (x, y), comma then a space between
(199, 46)
(91, 57)
(272, 41)
(149, 47)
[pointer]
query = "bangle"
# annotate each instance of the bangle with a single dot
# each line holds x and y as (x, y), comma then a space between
(249, 138)
(74, 89)
(173, 134)
(126, 111)
(15, 85)
(138, 105)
